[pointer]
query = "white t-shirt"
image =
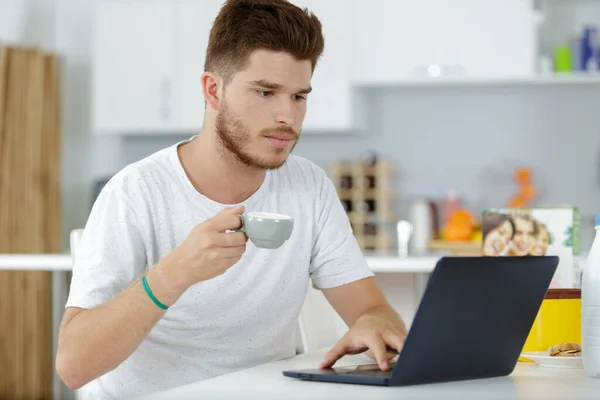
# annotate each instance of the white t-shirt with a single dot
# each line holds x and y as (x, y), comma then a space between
(240, 319)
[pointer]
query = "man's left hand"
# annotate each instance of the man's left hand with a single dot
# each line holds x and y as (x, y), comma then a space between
(370, 332)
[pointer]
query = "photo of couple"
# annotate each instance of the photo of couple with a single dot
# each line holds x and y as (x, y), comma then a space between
(514, 234)
(544, 231)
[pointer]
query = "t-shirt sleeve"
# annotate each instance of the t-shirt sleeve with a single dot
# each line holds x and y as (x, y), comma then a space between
(111, 253)
(336, 257)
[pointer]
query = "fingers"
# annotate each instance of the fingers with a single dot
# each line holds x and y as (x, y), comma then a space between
(383, 346)
(228, 219)
(232, 252)
(394, 342)
(377, 346)
(233, 210)
(231, 239)
(336, 352)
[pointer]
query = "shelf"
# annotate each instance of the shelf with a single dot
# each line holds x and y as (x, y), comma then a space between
(551, 79)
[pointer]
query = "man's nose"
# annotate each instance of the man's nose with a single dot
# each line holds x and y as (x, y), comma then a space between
(286, 112)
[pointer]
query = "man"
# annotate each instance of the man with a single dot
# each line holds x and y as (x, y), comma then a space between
(164, 291)
(524, 235)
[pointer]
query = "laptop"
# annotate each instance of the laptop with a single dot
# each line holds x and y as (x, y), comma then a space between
(472, 323)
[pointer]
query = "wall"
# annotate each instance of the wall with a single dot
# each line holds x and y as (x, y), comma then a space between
(73, 20)
(12, 19)
(468, 139)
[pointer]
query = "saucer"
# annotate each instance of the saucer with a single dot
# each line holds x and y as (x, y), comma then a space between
(544, 360)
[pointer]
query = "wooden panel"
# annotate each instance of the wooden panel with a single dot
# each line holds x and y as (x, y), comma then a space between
(51, 145)
(25, 335)
(3, 83)
(29, 217)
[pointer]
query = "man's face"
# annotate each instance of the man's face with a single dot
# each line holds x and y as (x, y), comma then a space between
(262, 109)
(524, 237)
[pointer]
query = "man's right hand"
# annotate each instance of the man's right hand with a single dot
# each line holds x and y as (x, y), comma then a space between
(209, 250)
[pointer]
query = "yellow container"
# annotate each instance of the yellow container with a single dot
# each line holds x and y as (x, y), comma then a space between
(558, 321)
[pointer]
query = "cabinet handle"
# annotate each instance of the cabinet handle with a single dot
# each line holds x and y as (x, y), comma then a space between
(440, 70)
(165, 96)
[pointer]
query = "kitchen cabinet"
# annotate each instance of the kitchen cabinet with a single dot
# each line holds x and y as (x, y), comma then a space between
(133, 68)
(405, 40)
(329, 107)
(194, 20)
(148, 58)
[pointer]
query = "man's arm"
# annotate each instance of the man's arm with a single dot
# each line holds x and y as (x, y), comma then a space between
(94, 341)
(373, 322)
(339, 269)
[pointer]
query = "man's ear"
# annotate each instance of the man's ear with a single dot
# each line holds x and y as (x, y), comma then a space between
(212, 85)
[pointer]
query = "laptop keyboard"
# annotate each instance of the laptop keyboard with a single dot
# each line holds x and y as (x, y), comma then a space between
(367, 368)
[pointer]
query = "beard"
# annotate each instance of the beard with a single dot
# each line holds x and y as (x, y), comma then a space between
(235, 138)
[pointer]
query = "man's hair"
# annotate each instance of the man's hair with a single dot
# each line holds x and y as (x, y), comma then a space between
(243, 26)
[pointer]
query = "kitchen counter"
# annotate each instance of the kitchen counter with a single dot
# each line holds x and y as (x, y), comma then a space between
(266, 382)
(63, 262)
(36, 262)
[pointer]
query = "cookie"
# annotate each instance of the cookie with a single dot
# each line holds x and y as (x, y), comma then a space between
(565, 349)
(572, 353)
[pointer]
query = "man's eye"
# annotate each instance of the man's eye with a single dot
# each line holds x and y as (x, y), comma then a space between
(264, 93)
(297, 97)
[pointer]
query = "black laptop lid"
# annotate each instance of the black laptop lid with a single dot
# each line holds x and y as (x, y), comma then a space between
(474, 318)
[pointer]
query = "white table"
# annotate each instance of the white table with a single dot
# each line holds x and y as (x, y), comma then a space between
(266, 382)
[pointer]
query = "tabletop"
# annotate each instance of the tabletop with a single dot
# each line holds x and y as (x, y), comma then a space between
(528, 381)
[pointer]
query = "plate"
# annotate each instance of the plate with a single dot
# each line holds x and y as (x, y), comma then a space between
(544, 360)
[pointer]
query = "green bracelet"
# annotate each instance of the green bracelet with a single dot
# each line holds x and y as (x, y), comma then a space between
(151, 295)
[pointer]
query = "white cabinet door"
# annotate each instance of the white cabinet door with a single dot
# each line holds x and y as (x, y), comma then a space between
(132, 67)
(329, 105)
(149, 57)
(401, 40)
(194, 19)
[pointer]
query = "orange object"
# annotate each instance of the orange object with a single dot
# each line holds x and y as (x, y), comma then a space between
(457, 232)
(523, 175)
(461, 216)
(460, 226)
(517, 201)
(527, 190)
